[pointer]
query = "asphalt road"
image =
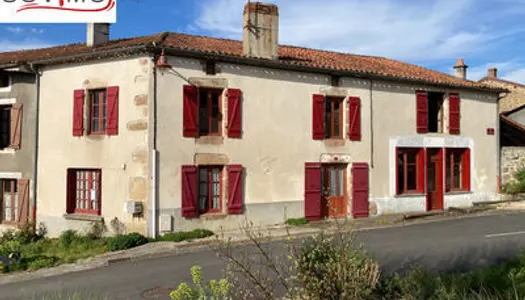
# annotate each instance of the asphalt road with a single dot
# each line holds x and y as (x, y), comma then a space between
(460, 244)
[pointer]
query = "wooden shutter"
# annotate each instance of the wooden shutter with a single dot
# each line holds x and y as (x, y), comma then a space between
(16, 126)
(190, 111)
(112, 108)
(354, 118)
(78, 113)
(454, 113)
(421, 112)
(234, 113)
(312, 191)
(360, 190)
(235, 189)
(23, 201)
(466, 170)
(71, 185)
(189, 191)
(318, 117)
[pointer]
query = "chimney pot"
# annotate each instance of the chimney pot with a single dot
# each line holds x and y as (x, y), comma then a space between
(460, 69)
(493, 73)
(97, 33)
(261, 30)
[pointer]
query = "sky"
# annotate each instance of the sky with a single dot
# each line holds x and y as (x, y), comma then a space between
(431, 33)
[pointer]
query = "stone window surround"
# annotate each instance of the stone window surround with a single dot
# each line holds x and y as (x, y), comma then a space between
(7, 101)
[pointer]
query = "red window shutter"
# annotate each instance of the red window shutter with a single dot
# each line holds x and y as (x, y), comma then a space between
(78, 113)
(421, 169)
(360, 190)
(112, 107)
(189, 191)
(235, 189)
(23, 201)
(318, 117)
(422, 112)
(71, 185)
(354, 119)
(190, 110)
(16, 126)
(466, 170)
(312, 191)
(454, 113)
(234, 113)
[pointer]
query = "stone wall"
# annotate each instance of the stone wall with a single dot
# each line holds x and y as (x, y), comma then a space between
(512, 160)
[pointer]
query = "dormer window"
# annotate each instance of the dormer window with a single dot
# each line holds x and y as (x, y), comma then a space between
(5, 81)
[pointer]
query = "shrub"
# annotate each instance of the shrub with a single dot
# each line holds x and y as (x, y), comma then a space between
(126, 241)
(24, 235)
(517, 186)
(297, 222)
(186, 235)
(68, 237)
(97, 230)
(213, 290)
(41, 262)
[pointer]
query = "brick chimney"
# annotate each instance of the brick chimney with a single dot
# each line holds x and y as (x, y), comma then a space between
(261, 30)
(97, 33)
(460, 69)
(493, 73)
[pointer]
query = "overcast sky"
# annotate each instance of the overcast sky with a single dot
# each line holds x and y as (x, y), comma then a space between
(432, 33)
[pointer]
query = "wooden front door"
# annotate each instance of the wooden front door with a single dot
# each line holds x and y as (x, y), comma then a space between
(434, 179)
(334, 191)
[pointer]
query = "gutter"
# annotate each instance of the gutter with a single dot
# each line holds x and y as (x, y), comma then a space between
(35, 161)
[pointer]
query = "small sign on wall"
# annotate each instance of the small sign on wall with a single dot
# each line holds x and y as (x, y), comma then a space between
(490, 131)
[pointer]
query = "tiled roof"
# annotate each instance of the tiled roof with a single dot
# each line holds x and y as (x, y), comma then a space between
(288, 55)
(513, 99)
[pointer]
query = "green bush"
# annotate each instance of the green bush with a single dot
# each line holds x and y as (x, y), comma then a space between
(24, 235)
(41, 262)
(126, 241)
(186, 235)
(516, 187)
(213, 290)
(68, 237)
(297, 222)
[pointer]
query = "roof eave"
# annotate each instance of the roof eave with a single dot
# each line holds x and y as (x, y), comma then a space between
(328, 71)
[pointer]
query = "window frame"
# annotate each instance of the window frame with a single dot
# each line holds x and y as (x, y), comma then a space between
(450, 154)
(73, 192)
(325, 175)
(209, 189)
(7, 108)
(209, 105)
(329, 132)
(419, 164)
(440, 118)
(101, 120)
(14, 193)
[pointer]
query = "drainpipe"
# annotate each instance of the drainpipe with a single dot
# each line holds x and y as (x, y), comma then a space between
(35, 159)
(371, 127)
(154, 159)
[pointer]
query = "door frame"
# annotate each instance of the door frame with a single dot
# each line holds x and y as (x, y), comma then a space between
(440, 184)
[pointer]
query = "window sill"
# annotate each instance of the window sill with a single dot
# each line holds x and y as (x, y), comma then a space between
(7, 151)
(452, 193)
(213, 216)
(411, 195)
(79, 217)
(209, 139)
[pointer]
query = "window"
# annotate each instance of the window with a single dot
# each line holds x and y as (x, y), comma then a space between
(84, 191)
(9, 198)
(210, 185)
(457, 170)
(435, 112)
(409, 170)
(333, 115)
(5, 81)
(5, 126)
(333, 180)
(98, 111)
(210, 112)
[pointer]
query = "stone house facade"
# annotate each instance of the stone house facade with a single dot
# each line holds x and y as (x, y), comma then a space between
(173, 132)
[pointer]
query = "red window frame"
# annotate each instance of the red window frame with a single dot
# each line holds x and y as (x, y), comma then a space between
(419, 173)
(450, 163)
(209, 196)
(13, 191)
(98, 111)
(80, 193)
(330, 122)
(207, 101)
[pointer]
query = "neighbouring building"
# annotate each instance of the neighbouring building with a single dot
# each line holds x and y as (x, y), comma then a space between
(17, 145)
(512, 124)
(174, 132)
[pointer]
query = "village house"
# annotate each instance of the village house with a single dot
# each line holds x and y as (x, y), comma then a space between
(174, 132)
(17, 145)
